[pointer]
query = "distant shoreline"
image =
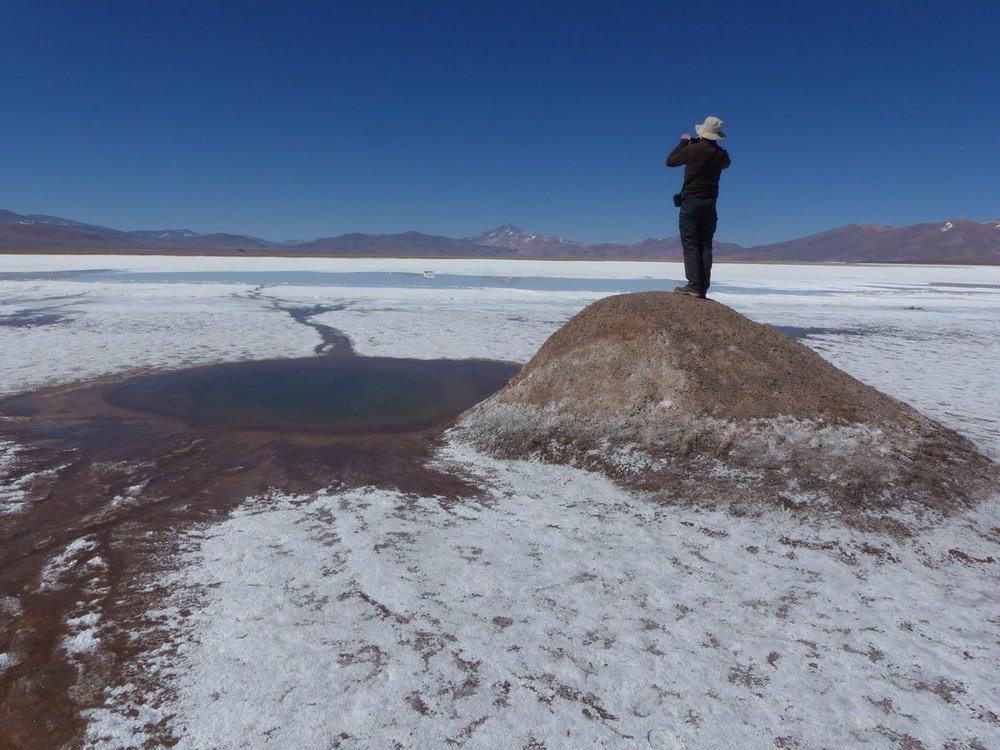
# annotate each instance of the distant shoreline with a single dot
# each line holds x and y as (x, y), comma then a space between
(211, 253)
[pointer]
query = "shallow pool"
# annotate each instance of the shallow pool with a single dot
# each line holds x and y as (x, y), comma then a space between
(328, 395)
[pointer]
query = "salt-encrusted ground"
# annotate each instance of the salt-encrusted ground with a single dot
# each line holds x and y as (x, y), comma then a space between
(556, 610)
(102, 329)
(562, 611)
(565, 612)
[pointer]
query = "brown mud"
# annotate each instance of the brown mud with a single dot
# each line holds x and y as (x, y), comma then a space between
(127, 481)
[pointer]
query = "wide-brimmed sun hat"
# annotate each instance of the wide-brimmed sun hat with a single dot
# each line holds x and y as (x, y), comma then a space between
(711, 129)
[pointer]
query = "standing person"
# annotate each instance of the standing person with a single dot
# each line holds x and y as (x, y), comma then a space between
(704, 161)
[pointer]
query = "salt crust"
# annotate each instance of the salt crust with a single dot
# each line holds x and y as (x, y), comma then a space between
(114, 329)
(559, 609)
(940, 357)
(839, 445)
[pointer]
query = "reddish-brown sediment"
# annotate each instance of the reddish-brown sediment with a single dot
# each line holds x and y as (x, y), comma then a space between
(692, 400)
(96, 455)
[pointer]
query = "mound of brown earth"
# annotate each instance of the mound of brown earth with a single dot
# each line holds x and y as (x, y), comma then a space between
(693, 400)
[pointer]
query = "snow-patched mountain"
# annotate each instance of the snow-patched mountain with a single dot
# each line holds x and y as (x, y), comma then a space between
(532, 245)
(167, 235)
(526, 243)
(404, 244)
(215, 240)
(9, 217)
(39, 233)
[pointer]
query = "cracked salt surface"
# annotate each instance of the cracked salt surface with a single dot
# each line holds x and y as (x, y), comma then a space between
(559, 610)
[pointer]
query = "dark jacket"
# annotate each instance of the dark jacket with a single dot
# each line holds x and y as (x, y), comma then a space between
(704, 160)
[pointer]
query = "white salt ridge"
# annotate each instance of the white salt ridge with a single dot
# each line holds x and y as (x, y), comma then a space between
(16, 488)
(566, 611)
(13, 494)
(131, 495)
(77, 555)
(83, 622)
(81, 641)
(7, 661)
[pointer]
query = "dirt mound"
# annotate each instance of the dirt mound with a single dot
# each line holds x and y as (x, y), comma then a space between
(697, 402)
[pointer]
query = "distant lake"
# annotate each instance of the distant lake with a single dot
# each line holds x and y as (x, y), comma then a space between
(389, 279)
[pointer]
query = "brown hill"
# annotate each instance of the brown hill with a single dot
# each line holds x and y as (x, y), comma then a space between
(37, 236)
(692, 400)
(955, 241)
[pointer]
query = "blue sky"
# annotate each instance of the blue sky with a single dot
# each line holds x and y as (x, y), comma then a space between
(305, 119)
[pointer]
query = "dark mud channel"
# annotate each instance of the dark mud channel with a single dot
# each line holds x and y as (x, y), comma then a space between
(131, 464)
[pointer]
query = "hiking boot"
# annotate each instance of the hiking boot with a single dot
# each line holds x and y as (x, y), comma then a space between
(689, 290)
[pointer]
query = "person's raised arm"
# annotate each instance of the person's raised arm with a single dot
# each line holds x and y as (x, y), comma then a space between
(676, 157)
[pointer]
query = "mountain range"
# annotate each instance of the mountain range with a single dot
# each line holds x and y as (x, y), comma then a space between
(955, 241)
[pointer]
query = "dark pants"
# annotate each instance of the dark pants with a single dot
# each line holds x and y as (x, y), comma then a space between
(697, 223)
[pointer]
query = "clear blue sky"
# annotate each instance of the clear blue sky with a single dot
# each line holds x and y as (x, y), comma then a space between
(303, 119)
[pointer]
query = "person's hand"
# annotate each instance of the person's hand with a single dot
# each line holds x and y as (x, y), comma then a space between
(686, 137)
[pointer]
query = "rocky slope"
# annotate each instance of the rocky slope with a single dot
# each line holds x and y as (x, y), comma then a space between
(693, 401)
